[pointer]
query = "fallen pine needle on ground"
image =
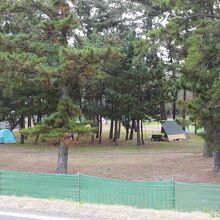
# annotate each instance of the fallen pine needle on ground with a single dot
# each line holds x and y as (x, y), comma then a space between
(71, 209)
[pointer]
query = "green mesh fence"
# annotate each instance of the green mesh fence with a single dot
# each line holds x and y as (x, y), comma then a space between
(39, 185)
(157, 195)
(204, 197)
(83, 188)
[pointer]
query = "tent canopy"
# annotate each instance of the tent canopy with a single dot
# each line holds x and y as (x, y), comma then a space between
(173, 130)
(6, 137)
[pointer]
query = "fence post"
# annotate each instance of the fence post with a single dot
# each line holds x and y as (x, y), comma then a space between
(173, 194)
(78, 186)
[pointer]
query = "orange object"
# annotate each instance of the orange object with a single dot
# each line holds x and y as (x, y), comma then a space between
(70, 142)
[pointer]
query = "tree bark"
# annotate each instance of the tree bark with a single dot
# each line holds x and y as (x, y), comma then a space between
(116, 133)
(119, 129)
(138, 133)
(195, 131)
(100, 121)
(142, 133)
(132, 130)
(65, 92)
(174, 110)
(92, 139)
(39, 118)
(78, 135)
(216, 161)
(92, 136)
(62, 158)
(63, 148)
(36, 140)
(98, 124)
(207, 151)
(184, 110)
(34, 121)
(15, 124)
(111, 129)
(29, 121)
(22, 125)
(100, 129)
(127, 127)
(127, 133)
(163, 111)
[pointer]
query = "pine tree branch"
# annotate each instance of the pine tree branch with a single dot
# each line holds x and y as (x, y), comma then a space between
(25, 48)
(203, 16)
(43, 9)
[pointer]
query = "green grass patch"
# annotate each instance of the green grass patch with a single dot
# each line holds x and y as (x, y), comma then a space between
(194, 144)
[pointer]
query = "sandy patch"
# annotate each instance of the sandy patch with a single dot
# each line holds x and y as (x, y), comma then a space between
(97, 212)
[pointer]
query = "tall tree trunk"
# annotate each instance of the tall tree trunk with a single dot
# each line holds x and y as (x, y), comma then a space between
(127, 133)
(80, 106)
(195, 124)
(36, 139)
(100, 129)
(163, 111)
(132, 130)
(195, 128)
(34, 121)
(119, 129)
(13, 126)
(98, 124)
(39, 117)
(62, 158)
(92, 139)
(207, 151)
(29, 121)
(93, 135)
(216, 161)
(142, 133)
(78, 135)
(174, 110)
(116, 132)
(65, 92)
(22, 125)
(63, 148)
(100, 121)
(127, 127)
(170, 54)
(111, 129)
(138, 133)
(184, 110)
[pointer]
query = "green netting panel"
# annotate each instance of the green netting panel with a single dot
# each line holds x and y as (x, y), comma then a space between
(156, 195)
(39, 185)
(203, 197)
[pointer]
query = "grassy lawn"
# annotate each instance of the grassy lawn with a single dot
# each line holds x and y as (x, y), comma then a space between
(193, 144)
(151, 123)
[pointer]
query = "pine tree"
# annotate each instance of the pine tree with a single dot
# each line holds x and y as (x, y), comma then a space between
(201, 67)
(45, 55)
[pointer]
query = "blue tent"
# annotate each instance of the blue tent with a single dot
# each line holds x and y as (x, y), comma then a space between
(6, 137)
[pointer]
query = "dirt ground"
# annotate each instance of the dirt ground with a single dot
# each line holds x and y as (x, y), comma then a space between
(180, 160)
